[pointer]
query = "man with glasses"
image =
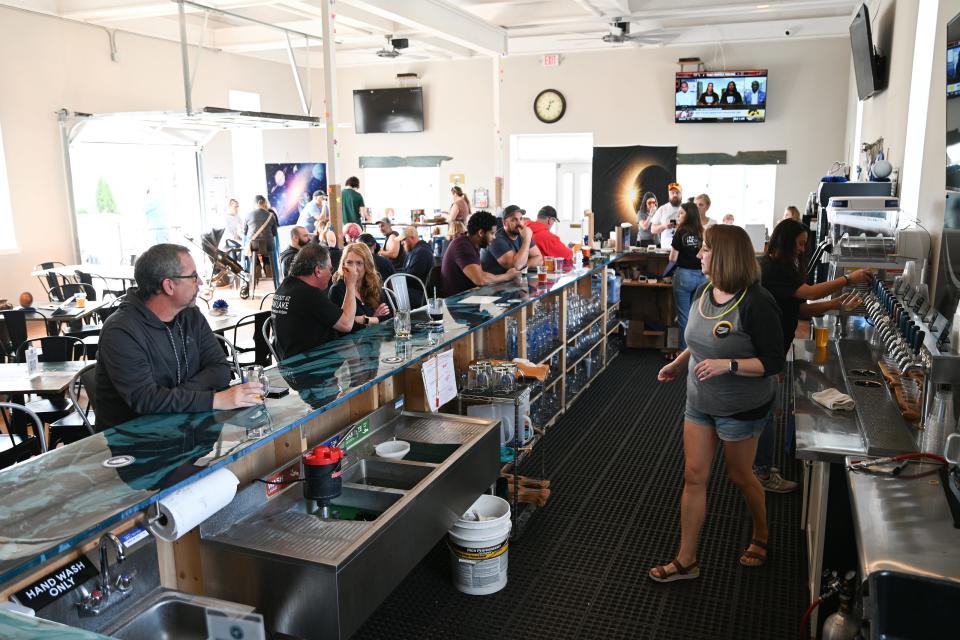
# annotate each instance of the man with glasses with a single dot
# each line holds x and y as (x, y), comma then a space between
(157, 353)
(304, 317)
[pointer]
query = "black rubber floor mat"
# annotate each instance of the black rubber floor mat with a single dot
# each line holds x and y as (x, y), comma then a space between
(580, 570)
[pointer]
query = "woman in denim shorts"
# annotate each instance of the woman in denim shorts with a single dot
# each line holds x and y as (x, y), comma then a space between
(734, 351)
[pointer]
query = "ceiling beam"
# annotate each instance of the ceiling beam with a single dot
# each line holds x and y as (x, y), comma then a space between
(346, 15)
(440, 19)
(108, 10)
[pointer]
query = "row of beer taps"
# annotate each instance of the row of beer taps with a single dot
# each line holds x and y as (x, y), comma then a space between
(902, 335)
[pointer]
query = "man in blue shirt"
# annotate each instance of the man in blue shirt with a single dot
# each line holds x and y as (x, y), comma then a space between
(311, 211)
(754, 95)
(513, 245)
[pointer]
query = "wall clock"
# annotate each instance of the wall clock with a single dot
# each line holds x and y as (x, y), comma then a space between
(549, 106)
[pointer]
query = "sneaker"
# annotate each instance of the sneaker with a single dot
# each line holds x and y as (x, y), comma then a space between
(776, 483)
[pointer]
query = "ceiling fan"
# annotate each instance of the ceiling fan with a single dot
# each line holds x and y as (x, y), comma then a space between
(619, 33)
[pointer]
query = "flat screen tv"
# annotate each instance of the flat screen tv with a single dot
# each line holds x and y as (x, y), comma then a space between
(721, 96)
(867, 63)
(953, 69)
(388, 110)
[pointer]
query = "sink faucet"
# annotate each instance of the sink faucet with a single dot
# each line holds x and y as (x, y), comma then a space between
(91, 604)
(106, 584)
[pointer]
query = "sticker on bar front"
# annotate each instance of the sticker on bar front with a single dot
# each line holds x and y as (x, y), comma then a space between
(133, 536)
(224, 624)
(56, 584)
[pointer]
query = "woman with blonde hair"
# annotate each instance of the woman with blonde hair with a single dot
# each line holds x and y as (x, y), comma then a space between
(371, 300)
(703, 205)
(460, 209)
(734, 351)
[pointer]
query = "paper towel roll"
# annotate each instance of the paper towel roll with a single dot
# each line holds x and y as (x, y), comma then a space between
(185, 508)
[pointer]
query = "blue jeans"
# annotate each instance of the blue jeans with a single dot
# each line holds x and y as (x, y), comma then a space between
(764, 458)
(685, 282)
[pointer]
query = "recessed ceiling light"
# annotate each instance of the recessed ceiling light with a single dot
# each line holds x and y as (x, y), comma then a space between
(763, 6)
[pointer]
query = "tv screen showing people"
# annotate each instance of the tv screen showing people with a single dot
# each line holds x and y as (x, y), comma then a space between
(953, 69)
(721, 96)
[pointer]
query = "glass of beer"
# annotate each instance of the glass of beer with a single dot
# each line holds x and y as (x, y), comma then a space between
(401, 323)
(435, 309)
(550, 264)
(254, 373)
(541, 274)
(586, 252)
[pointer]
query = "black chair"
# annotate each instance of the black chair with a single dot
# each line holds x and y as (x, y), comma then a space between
(265, 298)
(260, 350)
(13, 332)
(231, 352)
(52, 407)
(80, 422)
(433, 281)
(266, 331)
(16, 448)
(50, 280)
(63, 291)
(87, 278)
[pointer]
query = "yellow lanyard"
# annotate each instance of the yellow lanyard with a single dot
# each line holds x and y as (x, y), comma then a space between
(706, 292)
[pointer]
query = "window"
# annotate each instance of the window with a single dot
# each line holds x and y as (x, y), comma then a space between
(249, 179)
(746, 191)
(402, 189)
(8, 241)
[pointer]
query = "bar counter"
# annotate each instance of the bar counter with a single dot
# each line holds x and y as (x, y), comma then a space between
(56, 502)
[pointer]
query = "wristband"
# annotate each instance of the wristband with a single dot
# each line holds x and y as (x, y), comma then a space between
(847, 280)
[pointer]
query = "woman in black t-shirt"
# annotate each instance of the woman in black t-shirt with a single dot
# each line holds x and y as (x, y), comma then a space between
(371, 301)
(782, 275)
(688, 274)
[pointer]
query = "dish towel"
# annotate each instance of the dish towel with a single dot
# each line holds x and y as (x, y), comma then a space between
(833, 399)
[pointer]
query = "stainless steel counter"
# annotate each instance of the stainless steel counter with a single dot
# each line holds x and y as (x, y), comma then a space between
(904, 525)
(822, 434)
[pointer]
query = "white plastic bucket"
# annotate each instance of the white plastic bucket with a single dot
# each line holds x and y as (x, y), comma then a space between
(479, 543)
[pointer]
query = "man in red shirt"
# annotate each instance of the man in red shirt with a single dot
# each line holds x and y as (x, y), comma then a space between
(548, 242)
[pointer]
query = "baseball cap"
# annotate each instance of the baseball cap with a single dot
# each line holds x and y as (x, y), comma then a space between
(547, 211)
(409, 232)
(674, 186)
(318, 193)
(384, 221)
(511, 209)
(352, 230)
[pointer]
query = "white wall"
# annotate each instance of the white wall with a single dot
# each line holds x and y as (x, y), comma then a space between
(625, 96)
(47, 64)
(885, 114)
(458, 119)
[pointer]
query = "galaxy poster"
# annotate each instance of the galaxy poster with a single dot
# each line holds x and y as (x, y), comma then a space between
(290, 187)
(621, 175)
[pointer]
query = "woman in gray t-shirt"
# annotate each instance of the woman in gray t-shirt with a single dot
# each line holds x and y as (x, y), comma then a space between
(734, 348)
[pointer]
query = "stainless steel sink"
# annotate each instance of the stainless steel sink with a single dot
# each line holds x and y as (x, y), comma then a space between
(303, 572)
(390, 475)
(172, 615)
(911, 607)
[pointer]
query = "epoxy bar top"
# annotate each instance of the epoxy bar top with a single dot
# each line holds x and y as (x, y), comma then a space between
(51, 503)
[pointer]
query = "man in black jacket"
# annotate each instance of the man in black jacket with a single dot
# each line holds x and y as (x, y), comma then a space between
(299, 238)
(157, 353)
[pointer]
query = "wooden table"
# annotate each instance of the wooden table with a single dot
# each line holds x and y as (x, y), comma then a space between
(54, 377)
(222, 324)
(70, 313)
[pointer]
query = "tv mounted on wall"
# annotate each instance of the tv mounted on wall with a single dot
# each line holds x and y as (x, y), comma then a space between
(721, 96)
(388, 110)
(868, 64)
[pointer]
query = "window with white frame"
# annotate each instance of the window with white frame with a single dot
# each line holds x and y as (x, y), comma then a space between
(747, 191)
(396, 191)
(8, 241)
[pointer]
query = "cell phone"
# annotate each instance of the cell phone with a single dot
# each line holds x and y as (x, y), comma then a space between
(277, 392)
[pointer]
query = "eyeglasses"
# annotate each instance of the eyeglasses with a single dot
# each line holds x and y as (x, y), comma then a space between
(192, 276)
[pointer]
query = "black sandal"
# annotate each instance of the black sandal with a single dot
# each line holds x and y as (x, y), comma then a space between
(659, 573)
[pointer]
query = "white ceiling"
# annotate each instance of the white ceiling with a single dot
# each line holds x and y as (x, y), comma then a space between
(454, 29)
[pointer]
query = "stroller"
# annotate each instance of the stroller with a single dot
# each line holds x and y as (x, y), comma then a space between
(224, 267)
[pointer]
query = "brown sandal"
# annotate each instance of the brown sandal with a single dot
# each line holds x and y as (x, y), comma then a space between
(660, 574)
(753, 559)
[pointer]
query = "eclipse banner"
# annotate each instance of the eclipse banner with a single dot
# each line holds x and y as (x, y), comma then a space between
(621, 175)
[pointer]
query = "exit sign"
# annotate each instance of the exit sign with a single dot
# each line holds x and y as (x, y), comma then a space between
(551, 60)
